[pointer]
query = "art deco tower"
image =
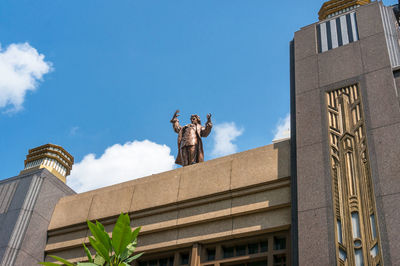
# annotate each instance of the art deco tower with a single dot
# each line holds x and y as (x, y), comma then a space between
(346, 122)
(27, 202)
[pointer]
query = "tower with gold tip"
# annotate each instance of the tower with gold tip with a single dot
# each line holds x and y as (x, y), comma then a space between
(52, 157)
(345, 113)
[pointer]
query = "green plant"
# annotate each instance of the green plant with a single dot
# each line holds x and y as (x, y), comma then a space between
(115, 251)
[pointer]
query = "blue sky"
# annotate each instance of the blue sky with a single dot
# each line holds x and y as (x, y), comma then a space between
(114, 72)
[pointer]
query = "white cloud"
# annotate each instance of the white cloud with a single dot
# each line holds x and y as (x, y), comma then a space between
(21, 67)
(282, 130)
(73, 130)
(224, 135)
(120, 163)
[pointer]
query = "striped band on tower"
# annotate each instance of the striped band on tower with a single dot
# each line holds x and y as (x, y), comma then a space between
(337, 32)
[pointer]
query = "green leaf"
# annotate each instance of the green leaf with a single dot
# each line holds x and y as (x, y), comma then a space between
(49, 263)
(98, 260)
(127, 252)
(135, 234)
(121, 235)
(62, 260)
(123, 264)
(100, 235)
(100, 249)
(129, 260)
(105, 234)
(88, 253)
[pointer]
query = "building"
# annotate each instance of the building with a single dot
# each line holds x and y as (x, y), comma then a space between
(27, 202)
(203, 214)
(327, 196)
(345, 111)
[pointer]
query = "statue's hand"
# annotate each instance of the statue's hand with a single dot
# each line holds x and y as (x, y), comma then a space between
(176, 114)
(209, 118)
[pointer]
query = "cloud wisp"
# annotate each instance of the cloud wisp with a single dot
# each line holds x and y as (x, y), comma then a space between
(73, 130)
(21, 68)
(282, 130)
(224, 136)
(120, 163)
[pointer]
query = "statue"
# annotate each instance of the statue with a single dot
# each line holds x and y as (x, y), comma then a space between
(190, 146)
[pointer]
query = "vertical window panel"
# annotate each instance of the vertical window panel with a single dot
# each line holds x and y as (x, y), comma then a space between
(355, 222)
(342, 254)
(359, 260)
(373, 225)
(339, 231)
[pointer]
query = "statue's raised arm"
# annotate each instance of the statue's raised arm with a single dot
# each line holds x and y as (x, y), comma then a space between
(175, 122)
(206, 130)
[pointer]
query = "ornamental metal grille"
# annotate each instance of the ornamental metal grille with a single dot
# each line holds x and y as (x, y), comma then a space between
(357, 234)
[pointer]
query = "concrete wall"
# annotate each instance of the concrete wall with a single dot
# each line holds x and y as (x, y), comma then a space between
(26, 204)
(242, 194)
(365, 62)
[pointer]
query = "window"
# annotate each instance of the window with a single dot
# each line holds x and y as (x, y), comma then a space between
(249, 251)
(253, 248)
(279, 243)
(228, 252)
(162, 261)
(263, 246)
(240, 250)
(261, 250)
(373, 226)
(153, 263)
(280, 260)
(184, 258)
(258, 263)
(210, 254)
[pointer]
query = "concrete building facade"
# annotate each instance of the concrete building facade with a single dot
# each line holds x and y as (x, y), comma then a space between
(230, 210)
(327, 196)
(345, 110)
(26, 206)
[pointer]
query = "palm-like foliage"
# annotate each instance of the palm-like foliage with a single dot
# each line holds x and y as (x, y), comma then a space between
(115, 251)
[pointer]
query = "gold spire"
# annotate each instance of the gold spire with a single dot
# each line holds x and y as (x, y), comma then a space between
(336, 7)
(52, 157)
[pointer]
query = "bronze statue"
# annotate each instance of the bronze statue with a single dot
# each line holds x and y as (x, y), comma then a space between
(190, 146)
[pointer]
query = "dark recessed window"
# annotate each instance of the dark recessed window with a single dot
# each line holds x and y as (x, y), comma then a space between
(279, 243)
(142, 263)
(163, 262)
(280, 260)
(253, 248)
(228, 252)
(263, 246)
(241, 250)
(153, 263)
(258, 263)
(210, 254)
(184, 258)
(171, 261)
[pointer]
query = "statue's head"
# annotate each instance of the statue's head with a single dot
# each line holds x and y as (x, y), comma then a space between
(195, 119)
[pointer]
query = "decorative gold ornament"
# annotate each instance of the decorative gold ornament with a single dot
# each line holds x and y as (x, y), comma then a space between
(356, 221)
